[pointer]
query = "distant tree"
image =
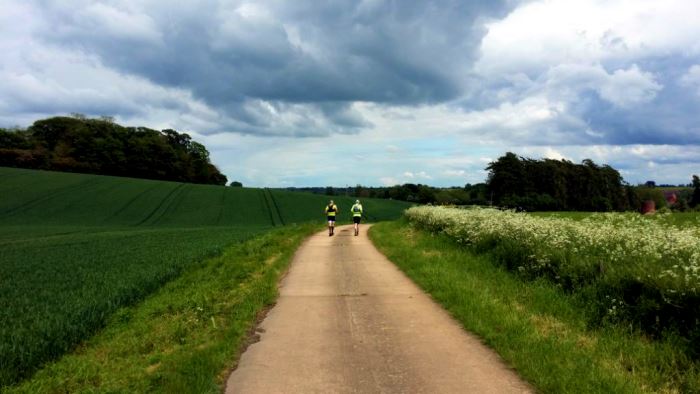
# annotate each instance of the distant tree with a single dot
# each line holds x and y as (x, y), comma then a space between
(330, 191)
(100, 146)
(13, 139)
(548, 184)
(681, 205)
(650, 184)
(361, 191)
(633, 200)
(425, 194)
(236, 184)
(695, 198)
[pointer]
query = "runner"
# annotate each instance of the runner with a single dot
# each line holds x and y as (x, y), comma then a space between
(356, 215)
(331, 210)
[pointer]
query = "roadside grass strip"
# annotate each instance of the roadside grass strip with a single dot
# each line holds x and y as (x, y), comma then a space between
(536, 326)
(187, 335)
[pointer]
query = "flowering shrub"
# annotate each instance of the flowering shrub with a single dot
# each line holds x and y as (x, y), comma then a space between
(628, 266)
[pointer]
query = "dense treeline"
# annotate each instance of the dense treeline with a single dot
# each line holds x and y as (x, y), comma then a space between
(538, 185)
(411, 192)
(100, 146)
(557, 185)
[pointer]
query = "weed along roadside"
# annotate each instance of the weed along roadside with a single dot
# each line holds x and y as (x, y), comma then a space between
(186, 336)
(543, 331)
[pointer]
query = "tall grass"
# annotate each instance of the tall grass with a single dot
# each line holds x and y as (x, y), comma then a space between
(537, 327)
(626, 268)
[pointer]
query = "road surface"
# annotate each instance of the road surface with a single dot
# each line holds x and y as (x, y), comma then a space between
(348, 321)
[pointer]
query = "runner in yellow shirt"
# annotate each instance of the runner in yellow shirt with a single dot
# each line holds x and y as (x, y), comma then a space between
(356, 215)
(331, 211)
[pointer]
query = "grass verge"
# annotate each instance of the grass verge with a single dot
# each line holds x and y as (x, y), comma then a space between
(535, 327)
(187, 335)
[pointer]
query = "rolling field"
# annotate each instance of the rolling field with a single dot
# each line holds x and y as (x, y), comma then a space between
(75, 248)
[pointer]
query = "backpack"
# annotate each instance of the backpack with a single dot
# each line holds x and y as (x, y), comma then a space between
(356, 208)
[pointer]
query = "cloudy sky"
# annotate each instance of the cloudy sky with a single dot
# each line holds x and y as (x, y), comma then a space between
(306, 93)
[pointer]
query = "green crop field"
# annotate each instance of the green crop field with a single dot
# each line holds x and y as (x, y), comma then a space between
(75, 248)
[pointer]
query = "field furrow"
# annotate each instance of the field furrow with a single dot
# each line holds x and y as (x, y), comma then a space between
(162, 206)
(53, 194)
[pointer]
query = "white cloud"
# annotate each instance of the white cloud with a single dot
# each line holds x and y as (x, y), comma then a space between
(423, 175)
(417, 175)
(626, 88)
(389, 181)
(455, 173)
(117, 22)
(623, 88)
(542, 33)
(45, 81)
(691, 78)
(551, 153)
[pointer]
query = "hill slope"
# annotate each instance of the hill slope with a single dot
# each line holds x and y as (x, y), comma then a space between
(75, 248)
(56, 198)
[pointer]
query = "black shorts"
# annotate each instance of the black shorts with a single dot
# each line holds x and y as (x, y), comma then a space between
(331, 218)
(356, 219)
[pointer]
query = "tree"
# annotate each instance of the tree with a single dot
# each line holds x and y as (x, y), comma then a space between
(236, 184)
(554, 185)
(100, 146)
(505, 177)
(695, 199)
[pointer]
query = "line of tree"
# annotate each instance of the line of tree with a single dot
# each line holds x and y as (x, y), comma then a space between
(101, 146)
(557, 185)
(538, 185)
(411, 192)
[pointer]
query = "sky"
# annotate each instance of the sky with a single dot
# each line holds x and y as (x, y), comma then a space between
(372, 92)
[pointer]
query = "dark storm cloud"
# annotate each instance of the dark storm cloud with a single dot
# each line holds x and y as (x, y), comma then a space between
(398, 52)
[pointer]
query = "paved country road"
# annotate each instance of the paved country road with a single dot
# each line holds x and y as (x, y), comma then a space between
(348, 321)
